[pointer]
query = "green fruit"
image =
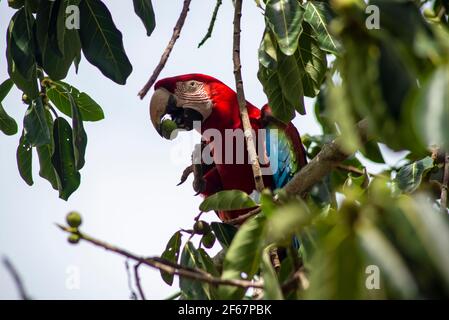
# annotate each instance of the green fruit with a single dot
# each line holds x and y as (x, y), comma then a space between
(16, 4)
(201, 227)
(208, 240)
(74, 219)
(26, 99)
(167, 127)
(429, 13)
(73, 238)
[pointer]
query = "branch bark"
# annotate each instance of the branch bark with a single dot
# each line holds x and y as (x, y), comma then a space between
(17, 280)
(327, 159)
(137, 280)
(444, 187)
(249, 138)
(176, 33)
(161, 264)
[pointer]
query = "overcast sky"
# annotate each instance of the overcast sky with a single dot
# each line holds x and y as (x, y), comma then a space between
(128, 194)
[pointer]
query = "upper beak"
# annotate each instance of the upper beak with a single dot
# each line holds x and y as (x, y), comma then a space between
(159, 106)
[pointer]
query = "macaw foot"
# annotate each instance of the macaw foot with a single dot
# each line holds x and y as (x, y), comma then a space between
(199, 183)
(185, 174)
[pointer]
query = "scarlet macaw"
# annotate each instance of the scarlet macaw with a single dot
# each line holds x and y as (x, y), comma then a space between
(198, 97)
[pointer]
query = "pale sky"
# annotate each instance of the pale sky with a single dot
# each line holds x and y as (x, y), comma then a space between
(128, 194)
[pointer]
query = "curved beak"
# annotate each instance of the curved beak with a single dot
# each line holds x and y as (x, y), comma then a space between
(159, 105)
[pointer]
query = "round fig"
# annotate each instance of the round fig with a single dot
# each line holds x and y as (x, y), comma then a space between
(167, 128)
(73, 238)
(208, 240)
(74, 219)
(201, 227)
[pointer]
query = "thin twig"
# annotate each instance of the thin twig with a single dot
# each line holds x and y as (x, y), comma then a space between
(176, 32)
(17, 280)
(211, 24)
(130, 286)
(137, 280)
(444, 187)
(240, 219)
(163, 265)
(251, 147)
(297, 280)
(356, 170)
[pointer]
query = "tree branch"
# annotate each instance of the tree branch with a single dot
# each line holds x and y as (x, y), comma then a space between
(166, 266)
(130, 286)
(176, 32)
(240, 219)
(137, 280)
(251, 147)
(444, 187)
(211, 24)
(327, 159)
(17, 280)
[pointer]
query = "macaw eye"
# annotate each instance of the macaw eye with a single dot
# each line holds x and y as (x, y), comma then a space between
(189, 86)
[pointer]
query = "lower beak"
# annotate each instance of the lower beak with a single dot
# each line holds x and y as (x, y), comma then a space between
(159, 106)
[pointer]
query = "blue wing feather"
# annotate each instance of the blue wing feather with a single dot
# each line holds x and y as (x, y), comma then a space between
(282, 156)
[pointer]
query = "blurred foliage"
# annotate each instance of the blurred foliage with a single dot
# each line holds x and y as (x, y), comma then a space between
(371, 236)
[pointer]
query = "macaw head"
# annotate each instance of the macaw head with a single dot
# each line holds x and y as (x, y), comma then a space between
(194, 97)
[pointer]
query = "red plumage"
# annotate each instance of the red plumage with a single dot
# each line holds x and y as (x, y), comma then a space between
(226, 115)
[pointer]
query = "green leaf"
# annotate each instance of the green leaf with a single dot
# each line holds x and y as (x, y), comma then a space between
(207, 262)
(372, 152)
(7, 124)
(227, 200)
(340, 259)
(268, 51)
(410, 176)
(102, 42)
(283, 87)
(341, 113)
(318, 15)
(28, 86)
(45, 152)
(224, 233)
(384, 255)
(281, 108)
(63, 159)
(79, 135)
(24, 160)
(59, 93)
(431, 112)
(59, 45)
(35, 124)
(432, 230)
(5, 87)
(21, 42)
(272, 288)
(285, 222)
(284, 18)
(312, 62)
(195, 290)
(243, 256)
(144, 10)
(171, 253)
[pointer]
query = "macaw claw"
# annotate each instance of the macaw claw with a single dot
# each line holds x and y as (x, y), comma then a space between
(185, 174)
